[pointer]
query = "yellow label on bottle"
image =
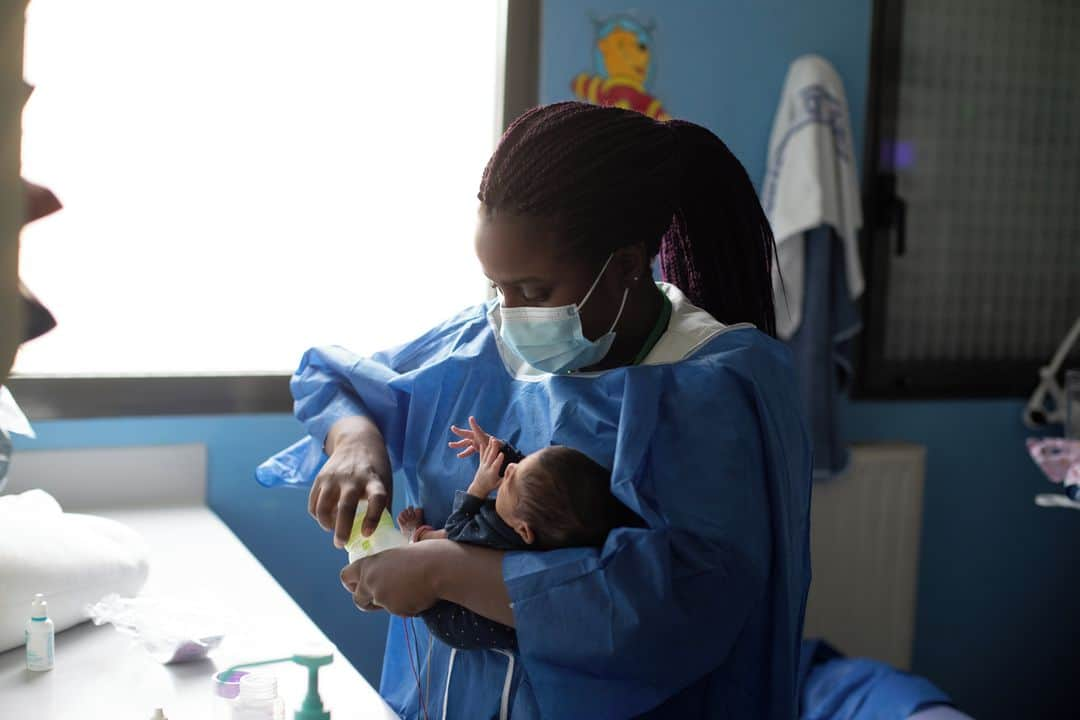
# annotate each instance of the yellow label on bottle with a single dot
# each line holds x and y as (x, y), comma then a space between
(386, 534)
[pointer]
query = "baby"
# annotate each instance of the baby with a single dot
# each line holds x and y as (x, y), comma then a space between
(553, 498)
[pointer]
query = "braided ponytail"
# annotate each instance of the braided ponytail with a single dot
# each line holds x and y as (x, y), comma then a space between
(719, 249)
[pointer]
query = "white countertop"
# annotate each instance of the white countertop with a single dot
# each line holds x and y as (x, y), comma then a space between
(101, 675)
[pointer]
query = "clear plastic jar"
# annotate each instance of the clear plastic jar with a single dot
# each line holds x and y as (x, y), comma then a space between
(258, 699)
(243, 695)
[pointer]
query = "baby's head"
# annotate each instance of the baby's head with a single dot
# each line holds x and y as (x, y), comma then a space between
(558, 497)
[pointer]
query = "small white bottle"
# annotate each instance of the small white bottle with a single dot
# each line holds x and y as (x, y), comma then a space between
(40, 634)
(258, 699)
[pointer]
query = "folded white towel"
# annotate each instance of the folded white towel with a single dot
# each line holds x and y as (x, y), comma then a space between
(73, 560)
(810, 180)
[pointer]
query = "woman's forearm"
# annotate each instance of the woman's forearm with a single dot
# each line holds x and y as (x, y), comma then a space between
(355, 428)
(471, 576)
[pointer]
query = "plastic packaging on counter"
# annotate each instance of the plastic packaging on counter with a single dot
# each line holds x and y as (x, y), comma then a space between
(171, 632)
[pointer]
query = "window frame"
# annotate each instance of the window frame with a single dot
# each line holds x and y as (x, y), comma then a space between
(883, 238)
(48, 397)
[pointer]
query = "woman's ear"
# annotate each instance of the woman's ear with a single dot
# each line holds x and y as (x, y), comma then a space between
(631, 264)
(525, 532)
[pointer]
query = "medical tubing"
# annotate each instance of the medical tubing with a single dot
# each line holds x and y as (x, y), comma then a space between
(412, 666)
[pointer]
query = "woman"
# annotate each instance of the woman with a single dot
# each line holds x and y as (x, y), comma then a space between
(697, 614)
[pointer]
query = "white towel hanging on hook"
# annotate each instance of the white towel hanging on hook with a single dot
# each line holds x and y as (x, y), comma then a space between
(811, 180)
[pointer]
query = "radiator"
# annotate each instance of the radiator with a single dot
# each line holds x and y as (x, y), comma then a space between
(864, 544)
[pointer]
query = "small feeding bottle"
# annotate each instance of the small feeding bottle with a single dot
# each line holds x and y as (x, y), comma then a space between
(258, 699)
(40, 634)
(386, 536)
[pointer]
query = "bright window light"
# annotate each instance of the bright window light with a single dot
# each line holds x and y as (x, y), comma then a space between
(243, 179)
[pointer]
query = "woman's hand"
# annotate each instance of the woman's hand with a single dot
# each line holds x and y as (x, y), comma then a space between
(358, 469)
(474, 440)
(401, 580)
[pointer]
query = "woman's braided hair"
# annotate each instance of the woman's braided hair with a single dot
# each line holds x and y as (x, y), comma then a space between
(605, 177)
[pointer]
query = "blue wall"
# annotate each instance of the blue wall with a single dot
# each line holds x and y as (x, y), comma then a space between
(994, 626)
(720, 63)
(273, 524)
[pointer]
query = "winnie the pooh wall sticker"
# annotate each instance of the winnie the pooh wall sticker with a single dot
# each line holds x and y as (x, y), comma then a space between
(622, 56)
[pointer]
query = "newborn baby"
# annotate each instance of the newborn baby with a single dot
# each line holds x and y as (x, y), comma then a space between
(553, 498)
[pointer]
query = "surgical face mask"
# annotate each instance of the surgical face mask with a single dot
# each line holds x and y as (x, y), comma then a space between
(551, 338)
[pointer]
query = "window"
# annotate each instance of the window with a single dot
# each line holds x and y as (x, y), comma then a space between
(243, 179)
(973, 184)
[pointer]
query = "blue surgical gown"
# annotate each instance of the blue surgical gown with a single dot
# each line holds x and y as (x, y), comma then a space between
(697, 615)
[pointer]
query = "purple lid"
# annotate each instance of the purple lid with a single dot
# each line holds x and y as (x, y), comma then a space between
(227, 683)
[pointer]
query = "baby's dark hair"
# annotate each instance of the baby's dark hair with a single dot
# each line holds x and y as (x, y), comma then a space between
(567, 500)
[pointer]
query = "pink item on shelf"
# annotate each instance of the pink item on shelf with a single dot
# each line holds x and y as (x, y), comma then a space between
(1056, 457)
(1059, 459)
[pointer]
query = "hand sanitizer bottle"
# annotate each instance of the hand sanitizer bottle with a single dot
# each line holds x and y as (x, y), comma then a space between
(40, 633)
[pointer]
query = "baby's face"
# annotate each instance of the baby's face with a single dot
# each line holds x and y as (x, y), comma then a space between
(506, 498)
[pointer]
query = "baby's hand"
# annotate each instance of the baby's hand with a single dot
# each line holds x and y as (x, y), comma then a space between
(409, 519)
(474, 440)
(487, 475)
